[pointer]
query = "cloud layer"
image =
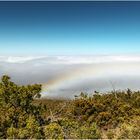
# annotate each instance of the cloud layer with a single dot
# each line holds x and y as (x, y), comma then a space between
(66, 76)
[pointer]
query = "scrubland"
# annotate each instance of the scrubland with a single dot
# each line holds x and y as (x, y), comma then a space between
(24, 115)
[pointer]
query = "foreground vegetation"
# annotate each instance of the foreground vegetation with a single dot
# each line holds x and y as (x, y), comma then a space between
(24, 115)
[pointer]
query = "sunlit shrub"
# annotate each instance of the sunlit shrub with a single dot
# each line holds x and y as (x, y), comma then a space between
(53, 131)
(130, 130)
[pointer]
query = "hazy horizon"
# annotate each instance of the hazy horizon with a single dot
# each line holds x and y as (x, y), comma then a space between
(66, 76)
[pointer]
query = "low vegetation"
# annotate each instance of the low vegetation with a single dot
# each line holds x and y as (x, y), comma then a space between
(24, 115)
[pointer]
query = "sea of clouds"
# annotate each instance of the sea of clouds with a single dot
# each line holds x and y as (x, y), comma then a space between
(66, 76)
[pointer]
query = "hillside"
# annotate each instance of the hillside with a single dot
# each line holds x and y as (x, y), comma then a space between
(25, 115)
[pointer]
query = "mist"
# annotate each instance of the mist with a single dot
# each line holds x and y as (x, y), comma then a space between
(66, 76)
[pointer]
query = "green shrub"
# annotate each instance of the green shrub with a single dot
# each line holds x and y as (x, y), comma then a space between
(53, 131)
(129, 130)
(89, 132)
(18, 113)
(110, 134)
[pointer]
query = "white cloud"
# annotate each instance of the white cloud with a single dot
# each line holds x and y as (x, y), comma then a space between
(70, 59)
(14, 59)
(69, 75)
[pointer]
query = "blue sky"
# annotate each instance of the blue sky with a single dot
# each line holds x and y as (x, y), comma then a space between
(69, 28)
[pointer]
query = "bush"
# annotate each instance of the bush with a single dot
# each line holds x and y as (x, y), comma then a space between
(130, 130)
(74, 130)
(89, 132)
(18, 111)
(53, 131)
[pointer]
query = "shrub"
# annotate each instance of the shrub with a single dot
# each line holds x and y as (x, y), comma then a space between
(16, 104)
(53, 131)
(129, 130)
